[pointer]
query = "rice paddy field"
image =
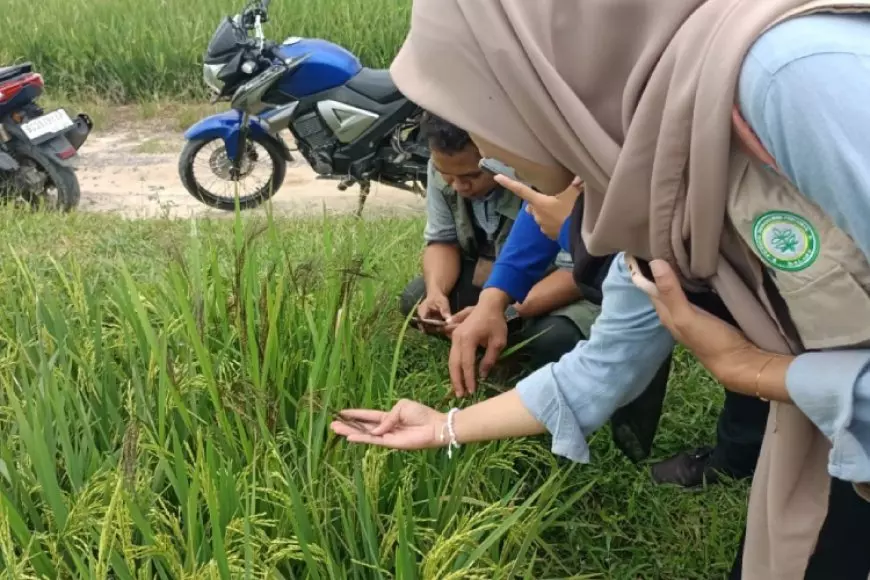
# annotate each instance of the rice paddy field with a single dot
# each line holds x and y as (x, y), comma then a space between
(166, 386)
(134, 50)
(165, 392)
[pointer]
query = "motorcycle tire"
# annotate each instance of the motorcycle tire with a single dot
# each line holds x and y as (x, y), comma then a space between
(63, 178)
(188, 179)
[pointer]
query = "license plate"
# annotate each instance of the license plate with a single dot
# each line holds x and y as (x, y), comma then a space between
(54, 122)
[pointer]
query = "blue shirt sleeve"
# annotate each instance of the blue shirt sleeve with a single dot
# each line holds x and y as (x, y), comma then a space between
(833, 390)
(524, 258)
(803, 90)
(580, 392)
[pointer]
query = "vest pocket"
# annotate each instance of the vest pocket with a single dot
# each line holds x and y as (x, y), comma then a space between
(832, 311)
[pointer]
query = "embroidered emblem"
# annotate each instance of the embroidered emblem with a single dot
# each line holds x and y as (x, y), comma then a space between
(785, 240)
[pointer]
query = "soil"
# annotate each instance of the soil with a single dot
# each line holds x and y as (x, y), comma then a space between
(134, 172)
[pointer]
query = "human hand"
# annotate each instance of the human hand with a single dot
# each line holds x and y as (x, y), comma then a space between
(548, 211)
(408, 425)
(720, 347)
(434, 306)
(457, 319)
(484, 326)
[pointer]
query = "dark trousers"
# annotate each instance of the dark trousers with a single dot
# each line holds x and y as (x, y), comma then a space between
(558, 334)
(743, 418)
(843, 548)
(739, 433)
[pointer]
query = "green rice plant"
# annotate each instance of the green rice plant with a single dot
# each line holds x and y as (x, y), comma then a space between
(124, 50)
(178, 428)
(165, 394)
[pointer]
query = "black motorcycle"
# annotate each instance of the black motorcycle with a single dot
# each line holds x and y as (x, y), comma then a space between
(349, 122)
(37, 149)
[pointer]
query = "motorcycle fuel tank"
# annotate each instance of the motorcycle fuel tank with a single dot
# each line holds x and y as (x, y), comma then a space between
(327, 66)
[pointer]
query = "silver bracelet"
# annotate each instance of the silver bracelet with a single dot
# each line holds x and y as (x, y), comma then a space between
(452, 444)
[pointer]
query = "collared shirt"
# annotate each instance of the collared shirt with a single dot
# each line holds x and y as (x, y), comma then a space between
(441, 225)
(803, 90)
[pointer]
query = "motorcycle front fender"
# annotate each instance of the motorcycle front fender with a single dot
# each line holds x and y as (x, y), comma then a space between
(7, 162)
(226, 126)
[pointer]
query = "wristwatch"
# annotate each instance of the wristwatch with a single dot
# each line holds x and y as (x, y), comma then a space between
(510, 313)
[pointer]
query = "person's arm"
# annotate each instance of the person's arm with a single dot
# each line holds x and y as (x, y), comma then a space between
(555, 291)
(578, 394)
(441, 264)
(475, 423)
(810, 113)
(833, 390)
(522, 261)
(570, 398)
(441, 258)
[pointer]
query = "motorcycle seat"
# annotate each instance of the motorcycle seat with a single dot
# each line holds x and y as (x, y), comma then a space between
(10, 72)
(376, 84)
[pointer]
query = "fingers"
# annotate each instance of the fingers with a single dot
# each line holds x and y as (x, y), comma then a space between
(455, 366)
(671, 294)
(666, 280)
(521, 190)
(364, 415)
(459, 317)
(493, 350)
(648, 286)
(637, 277)
(425, 309)
(468, 359)
(342, 429)
(573, 190)
(390, 422)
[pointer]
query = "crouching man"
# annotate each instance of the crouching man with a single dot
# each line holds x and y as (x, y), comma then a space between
(469, 217)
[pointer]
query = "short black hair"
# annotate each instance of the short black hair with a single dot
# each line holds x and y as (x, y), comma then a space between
(442, 136)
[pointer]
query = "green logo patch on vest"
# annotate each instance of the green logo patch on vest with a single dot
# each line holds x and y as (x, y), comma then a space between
(785, 240)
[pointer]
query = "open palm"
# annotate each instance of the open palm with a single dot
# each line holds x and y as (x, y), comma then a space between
(408, 425)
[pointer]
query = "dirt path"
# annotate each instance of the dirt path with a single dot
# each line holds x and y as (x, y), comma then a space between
(135, 173)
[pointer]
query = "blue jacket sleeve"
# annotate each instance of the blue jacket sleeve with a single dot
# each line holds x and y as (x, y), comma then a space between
(578, 394)
(524, 258)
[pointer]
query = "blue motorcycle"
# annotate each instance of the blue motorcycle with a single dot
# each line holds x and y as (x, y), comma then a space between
(349, 122)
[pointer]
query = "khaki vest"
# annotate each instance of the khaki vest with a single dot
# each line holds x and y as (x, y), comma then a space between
(824, 281)
(581, 313)
(507, 207)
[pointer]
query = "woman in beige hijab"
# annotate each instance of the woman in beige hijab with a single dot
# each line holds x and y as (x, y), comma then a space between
(637, 97)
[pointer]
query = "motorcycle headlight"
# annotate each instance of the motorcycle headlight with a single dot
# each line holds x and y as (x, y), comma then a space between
(210, 74)
(249, 67)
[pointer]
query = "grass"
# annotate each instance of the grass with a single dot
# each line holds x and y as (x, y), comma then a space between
(145, 50)
(165, 392)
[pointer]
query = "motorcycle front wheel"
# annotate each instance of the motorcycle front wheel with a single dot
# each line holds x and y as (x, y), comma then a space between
(209, 175)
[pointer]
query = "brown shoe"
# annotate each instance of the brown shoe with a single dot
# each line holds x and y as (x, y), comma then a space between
(689, 469)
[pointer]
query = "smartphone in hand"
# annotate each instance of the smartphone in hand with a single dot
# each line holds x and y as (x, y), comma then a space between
(495, 167)
(638, 266)
(431, 322)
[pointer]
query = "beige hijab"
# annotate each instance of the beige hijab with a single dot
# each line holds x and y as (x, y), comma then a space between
(635, 97)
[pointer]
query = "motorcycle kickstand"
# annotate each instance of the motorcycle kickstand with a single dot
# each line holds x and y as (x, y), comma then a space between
(365, 188)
